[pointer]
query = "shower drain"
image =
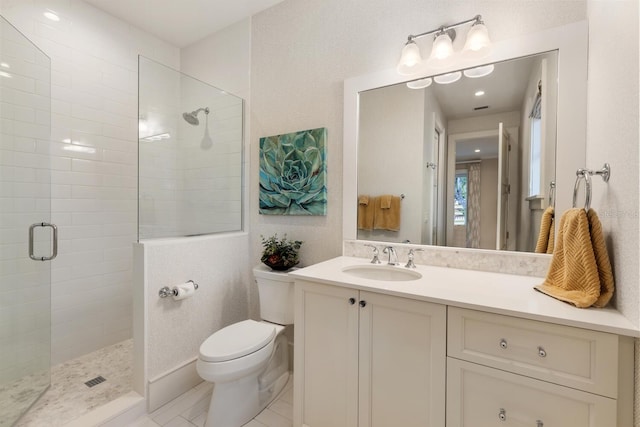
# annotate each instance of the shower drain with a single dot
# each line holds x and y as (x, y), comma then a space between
(95, 381)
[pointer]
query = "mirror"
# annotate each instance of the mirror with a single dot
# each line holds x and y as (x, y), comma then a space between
(431, 208)
(478, 155)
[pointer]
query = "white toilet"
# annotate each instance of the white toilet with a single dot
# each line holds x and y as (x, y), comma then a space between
(248, 362)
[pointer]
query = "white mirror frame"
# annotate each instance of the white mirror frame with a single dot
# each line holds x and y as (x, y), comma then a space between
(570, 40)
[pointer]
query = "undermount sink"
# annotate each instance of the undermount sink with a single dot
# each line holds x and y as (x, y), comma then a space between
(382, 272)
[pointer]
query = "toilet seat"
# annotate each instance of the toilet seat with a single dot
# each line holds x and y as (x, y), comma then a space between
(236, 340)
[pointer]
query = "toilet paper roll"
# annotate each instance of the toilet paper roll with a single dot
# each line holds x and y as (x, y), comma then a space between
(183, 290)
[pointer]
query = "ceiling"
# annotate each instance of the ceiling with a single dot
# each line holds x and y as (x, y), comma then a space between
(182, 22)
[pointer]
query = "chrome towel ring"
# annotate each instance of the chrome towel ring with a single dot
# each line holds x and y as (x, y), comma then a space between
(585, 174)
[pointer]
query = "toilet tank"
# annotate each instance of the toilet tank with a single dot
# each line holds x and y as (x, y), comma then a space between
(276, 295)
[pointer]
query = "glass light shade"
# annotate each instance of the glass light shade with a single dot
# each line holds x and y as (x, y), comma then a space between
(445, 79)
(441, 51)
(410, 60)
(420, 84)
(478, 43)
(476, 72)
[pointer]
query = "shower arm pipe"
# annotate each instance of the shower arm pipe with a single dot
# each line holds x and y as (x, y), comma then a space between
(445, 28)
(206, 111)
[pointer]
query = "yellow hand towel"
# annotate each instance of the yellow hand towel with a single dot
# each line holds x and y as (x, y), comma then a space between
(385, 201)
(545, 236)
(366, 213)
(387, 218)
(602, 259)
(363, 200)
(574, 275)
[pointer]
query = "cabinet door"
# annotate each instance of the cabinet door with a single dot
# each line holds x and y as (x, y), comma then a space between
(326, 356)
(478, 396)
(402, 362)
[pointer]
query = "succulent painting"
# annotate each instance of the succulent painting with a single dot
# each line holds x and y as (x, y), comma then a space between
(293, 173)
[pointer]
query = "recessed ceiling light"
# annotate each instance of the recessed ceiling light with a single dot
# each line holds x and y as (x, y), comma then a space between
(477, 150)
(51, 15)
(4, 65)
(5, 74)
(480, 93)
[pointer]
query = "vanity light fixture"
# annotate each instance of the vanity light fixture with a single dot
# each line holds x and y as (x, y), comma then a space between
(479, 93)
(477, 45)
(419, 84)
(477, 150)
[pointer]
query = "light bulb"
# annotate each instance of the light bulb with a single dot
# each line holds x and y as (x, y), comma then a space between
(478, 43)
(441, 51)
(410, 59)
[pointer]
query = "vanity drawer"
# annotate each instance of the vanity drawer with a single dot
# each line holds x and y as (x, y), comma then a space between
(478, 396)
(578, 358)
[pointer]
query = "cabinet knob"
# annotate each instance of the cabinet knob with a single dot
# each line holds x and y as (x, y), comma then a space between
(502, 415)
(363, 303)
(352, 301)
(503, 343)
(539, 423)
(542, 353)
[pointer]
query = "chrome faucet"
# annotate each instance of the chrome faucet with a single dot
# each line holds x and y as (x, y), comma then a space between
(375, 259)
(410, 263)
(393, 256)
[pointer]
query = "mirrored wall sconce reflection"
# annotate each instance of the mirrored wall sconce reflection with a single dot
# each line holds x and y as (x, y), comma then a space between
(448, 78)
(477, 45)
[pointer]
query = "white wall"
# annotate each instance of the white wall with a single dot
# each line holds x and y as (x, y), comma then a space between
(223, 59)
(301, 53)
(94, 104)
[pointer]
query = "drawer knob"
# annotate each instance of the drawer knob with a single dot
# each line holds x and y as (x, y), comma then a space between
(503, 343)
(502, 415)
(352, 301)
(541, 353)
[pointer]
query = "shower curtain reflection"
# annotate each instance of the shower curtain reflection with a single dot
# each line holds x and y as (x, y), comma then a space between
(190, 155)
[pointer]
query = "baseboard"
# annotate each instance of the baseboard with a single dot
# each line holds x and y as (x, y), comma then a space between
(117, 413)
(166, 387)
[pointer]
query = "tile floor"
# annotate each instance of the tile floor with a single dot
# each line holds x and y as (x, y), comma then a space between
(69, 398)
(190, 410)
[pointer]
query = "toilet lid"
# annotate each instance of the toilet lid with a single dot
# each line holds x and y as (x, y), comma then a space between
(236, 340)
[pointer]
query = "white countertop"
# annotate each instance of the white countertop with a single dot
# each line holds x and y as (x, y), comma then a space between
(491, 292)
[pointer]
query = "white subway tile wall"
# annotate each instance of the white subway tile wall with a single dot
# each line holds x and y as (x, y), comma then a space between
(191, 179)
(94, 130)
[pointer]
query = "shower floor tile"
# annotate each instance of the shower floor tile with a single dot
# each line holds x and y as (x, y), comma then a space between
(69, 398)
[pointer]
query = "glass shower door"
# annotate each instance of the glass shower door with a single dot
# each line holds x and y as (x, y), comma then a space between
(25, 211)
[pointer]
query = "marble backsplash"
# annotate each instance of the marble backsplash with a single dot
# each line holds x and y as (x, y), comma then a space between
(520, 263)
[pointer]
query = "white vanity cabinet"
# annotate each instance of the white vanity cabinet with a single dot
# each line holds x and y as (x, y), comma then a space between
(508, 371)
(367, 359)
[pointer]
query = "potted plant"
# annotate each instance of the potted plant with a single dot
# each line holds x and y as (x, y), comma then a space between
(280, 254)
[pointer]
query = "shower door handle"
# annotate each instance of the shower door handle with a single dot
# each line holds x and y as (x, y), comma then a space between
(55, 241)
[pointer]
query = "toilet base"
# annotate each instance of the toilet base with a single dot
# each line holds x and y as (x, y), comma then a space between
(235, 403)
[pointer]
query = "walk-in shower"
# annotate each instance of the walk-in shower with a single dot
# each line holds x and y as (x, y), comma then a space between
(190, 178)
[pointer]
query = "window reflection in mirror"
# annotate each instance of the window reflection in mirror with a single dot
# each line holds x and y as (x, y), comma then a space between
(422, 143)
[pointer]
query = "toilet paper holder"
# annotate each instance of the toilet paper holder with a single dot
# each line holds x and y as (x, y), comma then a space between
(168, 292)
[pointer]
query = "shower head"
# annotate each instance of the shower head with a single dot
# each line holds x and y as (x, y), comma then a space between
(192, 117)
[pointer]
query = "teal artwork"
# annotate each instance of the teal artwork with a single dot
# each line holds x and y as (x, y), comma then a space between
(293, 173)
